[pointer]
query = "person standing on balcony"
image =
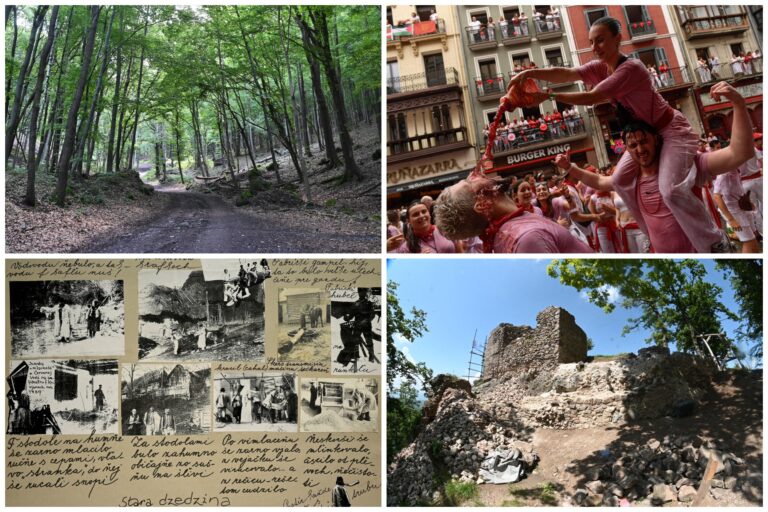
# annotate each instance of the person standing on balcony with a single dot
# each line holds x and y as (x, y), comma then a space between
(475, 25)
(537, 19)
(433, 16)
(516, 25)
(550, 18)
(523, 24)
(747, 62)
(714, 64)
(737, 65)
(664, 74)
(703, 71)
(626, 82)
(504, 27)
(556, 17)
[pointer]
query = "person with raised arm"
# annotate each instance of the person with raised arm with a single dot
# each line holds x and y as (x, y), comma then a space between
(626, 83)
(642, 194)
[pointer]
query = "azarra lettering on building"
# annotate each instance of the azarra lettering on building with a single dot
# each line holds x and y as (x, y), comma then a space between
(535, 154)
(414, 172)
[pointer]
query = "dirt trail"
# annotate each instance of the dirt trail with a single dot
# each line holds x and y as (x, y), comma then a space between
(194, 222)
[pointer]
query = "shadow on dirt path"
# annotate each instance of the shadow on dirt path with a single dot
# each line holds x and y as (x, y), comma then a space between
(193, 222)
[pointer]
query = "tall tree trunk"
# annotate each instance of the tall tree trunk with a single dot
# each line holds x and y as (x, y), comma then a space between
(26, 67)
(334, 83)
(115, 103)
(92, 141)
(9, 72)
(298, 159)
(138, 100)
(317, 87)
(121, 124)
(177, 133)
(304, 116)
(86, 130)
(69, 135)
(241, 130)
(36, 93)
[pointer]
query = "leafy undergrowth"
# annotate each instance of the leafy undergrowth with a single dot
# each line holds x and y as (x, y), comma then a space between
(94, 206)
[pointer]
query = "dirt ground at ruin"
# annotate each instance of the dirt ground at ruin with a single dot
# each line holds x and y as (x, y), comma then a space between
(731, 417)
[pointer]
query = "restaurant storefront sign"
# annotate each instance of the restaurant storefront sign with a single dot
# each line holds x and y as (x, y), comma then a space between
(536, 154)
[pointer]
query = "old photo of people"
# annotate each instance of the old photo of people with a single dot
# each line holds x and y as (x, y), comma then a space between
(67, 318)
(62, 397)
(304, 331)
(356, 330)
(166, 400)
(255, 402)
(214, 314)
(339, 404)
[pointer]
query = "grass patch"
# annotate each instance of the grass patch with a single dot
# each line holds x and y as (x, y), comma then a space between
(457, 492)
(512, 503)
(330, 203)
(546, 494)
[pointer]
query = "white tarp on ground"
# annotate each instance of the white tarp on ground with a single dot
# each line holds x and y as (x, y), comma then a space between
(502, 467)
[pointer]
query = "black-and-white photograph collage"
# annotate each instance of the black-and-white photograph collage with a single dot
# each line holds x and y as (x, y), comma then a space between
(189, 323)
(216, 214)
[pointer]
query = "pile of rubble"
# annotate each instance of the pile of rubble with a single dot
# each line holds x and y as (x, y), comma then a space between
(451, 446)
(656, 473)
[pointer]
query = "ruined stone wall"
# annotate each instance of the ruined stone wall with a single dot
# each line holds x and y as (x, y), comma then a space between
(516, 350)
(599, 394)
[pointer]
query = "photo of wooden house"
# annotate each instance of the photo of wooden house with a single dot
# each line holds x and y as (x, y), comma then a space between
(181, 391)
(304, 316)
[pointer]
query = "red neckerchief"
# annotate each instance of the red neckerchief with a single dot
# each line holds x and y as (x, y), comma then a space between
(490, 232)
(603, 193)
(569, 183)
(429, 234)
(528, 207)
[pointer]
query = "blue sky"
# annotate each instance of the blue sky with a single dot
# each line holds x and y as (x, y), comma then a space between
(461, 295)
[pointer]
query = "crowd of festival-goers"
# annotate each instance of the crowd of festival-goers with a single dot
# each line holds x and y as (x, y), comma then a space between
(671, 191)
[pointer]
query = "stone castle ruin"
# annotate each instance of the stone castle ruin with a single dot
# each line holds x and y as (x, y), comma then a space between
(556, 339)
(541, 377)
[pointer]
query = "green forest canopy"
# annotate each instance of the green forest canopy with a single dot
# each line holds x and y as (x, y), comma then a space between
(92, 89)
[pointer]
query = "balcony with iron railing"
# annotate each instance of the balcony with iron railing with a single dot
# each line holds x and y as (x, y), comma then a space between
(641, 29)
(512, 34)
(422, 81)
(571, 128)
(548, 28)
(710, 74)
(427, 143)
(419, 29)
(490, 88)
(671, 78)
(480, 38)
(695, 27)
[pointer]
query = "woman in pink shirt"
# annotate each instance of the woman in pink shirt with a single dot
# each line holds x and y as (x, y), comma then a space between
(524, 197)
(626, 82)
(423, 237)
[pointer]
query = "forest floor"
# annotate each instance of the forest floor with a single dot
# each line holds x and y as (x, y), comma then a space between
(88, 215)
(270, 217)
(731, 417)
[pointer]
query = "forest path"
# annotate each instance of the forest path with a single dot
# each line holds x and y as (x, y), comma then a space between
(193, 222)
